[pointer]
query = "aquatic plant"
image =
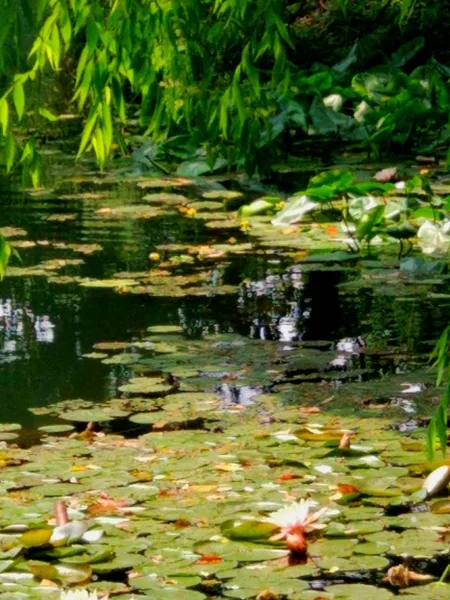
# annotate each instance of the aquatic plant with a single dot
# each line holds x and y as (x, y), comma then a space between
(296, 521)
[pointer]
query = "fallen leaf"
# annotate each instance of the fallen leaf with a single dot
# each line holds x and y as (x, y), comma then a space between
(309, 410)
(208, 559)
(347, 488)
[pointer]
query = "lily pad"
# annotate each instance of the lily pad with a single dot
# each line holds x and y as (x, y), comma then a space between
(108, 283)
(56, 428)
(86, 415)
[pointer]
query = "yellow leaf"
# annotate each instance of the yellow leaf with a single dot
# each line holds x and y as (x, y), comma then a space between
(230, 467)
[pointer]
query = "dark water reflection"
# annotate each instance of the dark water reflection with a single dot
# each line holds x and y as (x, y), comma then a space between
(46, 328)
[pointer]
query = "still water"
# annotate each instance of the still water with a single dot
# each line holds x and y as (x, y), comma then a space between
(47, 327)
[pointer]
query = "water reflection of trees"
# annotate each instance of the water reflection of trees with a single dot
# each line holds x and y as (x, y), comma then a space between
(275, 306)
(19, 325)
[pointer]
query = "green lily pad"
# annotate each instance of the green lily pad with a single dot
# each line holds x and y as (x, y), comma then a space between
(248, 530)
(36, 537)
(148, 418)
(7, 427)
(86, 415)
(56, 428)
(108, 283)
(6, 436)
(67, 574)
(357, 591)
(146, 385)
(164, 329)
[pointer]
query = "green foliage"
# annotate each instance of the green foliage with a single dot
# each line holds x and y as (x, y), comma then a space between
(369, 209)
(222, 75)
(6, 251)
(437, 428)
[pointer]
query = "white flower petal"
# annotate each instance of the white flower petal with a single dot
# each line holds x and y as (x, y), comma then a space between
(92, 536)
(437, 480)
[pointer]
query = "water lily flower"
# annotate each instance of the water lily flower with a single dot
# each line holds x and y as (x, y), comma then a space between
(78, 595)
(434, 237)
(296, 521)
(333, 101)
(437, 481)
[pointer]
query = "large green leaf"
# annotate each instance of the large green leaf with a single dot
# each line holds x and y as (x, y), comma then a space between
(406, 52)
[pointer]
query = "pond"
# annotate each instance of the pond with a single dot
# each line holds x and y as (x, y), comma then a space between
(177, 373)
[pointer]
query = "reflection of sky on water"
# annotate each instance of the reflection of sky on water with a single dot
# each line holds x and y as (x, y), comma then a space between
(18, 324)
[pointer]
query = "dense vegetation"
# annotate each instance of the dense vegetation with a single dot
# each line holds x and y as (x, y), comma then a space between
(226, 83)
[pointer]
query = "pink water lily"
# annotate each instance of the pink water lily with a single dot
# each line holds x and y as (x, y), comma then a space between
(296, 521)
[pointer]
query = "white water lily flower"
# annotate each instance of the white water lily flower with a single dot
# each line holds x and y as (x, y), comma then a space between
(68, 533)
(412, 388)
(361, 111)
(297, 520)
(437, 480)
(333, 101)
(324, 469)
(434, 237)
(78, 595)
(92, 536)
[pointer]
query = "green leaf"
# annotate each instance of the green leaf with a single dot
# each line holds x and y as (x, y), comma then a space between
(118, 98)
(5, 253)
(4, 115)
(323, 193)
(349, 60)
(98, 144)
(19, 99)
(87, 131)
(259, 207)
(370, 187)
(10, 152)
(406, 52)
(368, 85)
(368, 221)
(194, 168)
(250, 530)
(107, 128)
(323, 119)
(335, 179)
(437, 428)
(44, 112)
(237, 98)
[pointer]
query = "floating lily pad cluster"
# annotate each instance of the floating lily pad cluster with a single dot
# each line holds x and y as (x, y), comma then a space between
(170, 486)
